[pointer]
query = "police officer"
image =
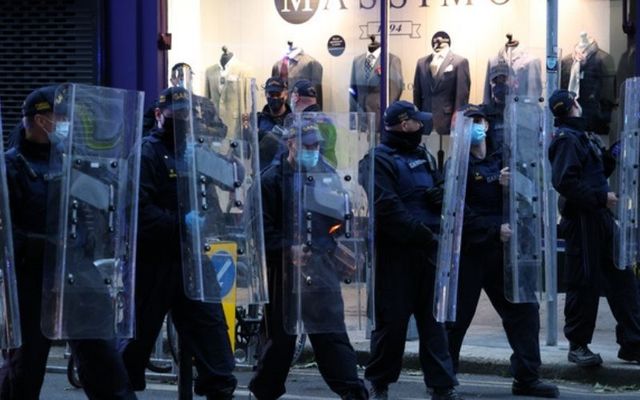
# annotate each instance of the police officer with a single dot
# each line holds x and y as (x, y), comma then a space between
(100, 366)
(334, 354)
(159, 281)
(305, 99)
(271, 121)
(408, 201)
(580, 167)
(481, 264)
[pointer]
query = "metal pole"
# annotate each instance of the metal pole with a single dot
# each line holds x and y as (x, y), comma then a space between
(384, 55)
(551, 197)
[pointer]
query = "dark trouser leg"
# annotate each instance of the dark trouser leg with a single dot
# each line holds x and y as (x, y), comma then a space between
(580, 312)
(23, 371)
(391, 317)
(521, 321)
(469, 287)
(203, 329)
(624, 301)
(154, 294)
(101, 370)
(435, 360)
(337, 363)
(268, 382)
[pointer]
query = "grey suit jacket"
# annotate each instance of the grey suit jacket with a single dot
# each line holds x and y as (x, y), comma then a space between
(443, 93)
(365, 93)
(228, 90)
(302, 66)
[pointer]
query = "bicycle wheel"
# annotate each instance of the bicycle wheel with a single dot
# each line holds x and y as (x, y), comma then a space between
(300, 342)
(72, 373)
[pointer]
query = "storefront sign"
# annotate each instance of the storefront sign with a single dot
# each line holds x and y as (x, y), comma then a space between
(300, 11)
(396, 28)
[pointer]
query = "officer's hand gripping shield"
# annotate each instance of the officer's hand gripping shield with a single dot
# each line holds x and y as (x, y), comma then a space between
(524, 156)
(455, 188)
(10, 335)
(328, 215)
(219, 201)
(626, 243)
(89, 271)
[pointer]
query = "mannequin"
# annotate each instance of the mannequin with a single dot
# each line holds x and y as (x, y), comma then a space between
(589, 72)
(365, 84)
(441, 83)
(523, 72)
(373, 46)
(296, 65)
(226, 84)
(225, 57)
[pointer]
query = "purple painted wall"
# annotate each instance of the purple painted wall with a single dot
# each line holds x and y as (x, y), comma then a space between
(132, 58)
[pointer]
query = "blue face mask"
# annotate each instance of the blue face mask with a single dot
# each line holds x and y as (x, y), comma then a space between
(309, 158)
(477, 133)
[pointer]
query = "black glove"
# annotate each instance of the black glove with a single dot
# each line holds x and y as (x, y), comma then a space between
(434, 196)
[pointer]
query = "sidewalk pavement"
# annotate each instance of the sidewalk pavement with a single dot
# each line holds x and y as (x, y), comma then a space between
(486, 350)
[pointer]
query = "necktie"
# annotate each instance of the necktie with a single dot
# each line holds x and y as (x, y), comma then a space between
(435, 64)
(368, 65)
(284, 69)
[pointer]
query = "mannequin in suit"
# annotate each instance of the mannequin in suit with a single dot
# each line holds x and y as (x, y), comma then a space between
(524, 77)
(227, 85)
(441, 83)
(296, 65)
(589, 72)
(364, 90)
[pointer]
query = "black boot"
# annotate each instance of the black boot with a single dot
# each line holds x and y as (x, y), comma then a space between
(536, 388)
(445, 394)
(379, 392)
(583, 356)
(629, 354)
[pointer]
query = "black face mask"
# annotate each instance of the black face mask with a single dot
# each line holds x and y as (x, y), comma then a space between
(500, 92)
(403, 140)
(275, 103)
(168, 125)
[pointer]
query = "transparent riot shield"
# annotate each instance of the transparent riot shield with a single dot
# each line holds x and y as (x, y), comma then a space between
(10, 335)
(455, 188)
(626, 236)
(325, 262)
(219, 202)
(524, 156)
(89, 270)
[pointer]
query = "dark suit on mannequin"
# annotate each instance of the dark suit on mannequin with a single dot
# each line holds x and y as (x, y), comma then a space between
(300, 66)
(443, 93)
(364, 91)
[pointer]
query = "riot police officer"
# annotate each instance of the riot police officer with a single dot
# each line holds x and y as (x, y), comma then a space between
(334, 354)
(99, 364)
(482, 263)
(580, 167)
(408, 199)
(271, 121)
(159, 282)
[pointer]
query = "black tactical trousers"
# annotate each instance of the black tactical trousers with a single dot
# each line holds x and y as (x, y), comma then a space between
(99, 364)
(404, 286)
(591, 273)
(201, 327)
(481, 267)
(333, 352)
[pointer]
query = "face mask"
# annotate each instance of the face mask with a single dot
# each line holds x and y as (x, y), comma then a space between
(275, 103)
(477, 133)
(60, 133)
(309, 158)
(167, 125)
(500, 92)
